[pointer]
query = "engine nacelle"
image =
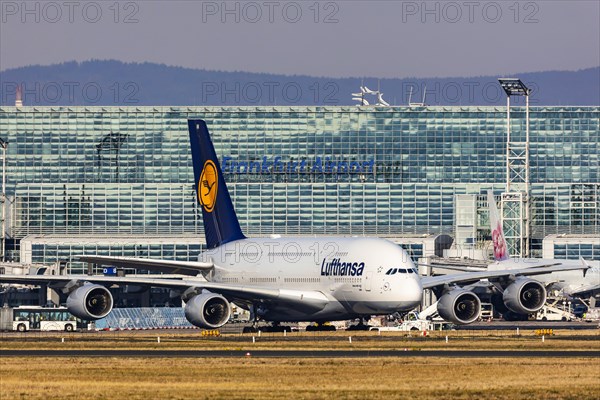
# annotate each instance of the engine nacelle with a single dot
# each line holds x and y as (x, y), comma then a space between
(208, 310)
(524, 296)
(90, 302)
(459, 306)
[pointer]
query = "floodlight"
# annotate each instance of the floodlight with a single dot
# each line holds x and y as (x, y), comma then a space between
(514, 87)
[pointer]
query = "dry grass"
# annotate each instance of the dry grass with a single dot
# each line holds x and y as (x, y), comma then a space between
(371, 378)
(269, 378)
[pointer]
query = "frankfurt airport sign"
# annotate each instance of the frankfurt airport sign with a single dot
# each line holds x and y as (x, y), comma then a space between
(276, 164)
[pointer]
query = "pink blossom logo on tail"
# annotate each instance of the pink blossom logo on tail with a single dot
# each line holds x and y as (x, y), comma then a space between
(499, 243)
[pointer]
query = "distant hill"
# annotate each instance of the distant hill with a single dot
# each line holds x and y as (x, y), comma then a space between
(116, 83)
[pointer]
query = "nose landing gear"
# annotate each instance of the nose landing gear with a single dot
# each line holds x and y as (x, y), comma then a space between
(320, 327)
(361, 326)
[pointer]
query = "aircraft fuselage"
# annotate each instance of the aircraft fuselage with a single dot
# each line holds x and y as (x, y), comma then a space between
(359, 276)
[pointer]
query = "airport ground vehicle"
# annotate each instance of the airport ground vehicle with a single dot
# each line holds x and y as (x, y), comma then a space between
(548, 313)
(405, 326)
(410, 322)
(31, 318)
(592, 314)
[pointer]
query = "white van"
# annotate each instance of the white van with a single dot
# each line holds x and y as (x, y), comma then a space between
(553, 314)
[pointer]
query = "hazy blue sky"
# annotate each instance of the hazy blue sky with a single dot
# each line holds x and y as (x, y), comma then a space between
(328, 38)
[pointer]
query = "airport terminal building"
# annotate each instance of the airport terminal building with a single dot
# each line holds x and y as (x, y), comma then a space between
(119, 180)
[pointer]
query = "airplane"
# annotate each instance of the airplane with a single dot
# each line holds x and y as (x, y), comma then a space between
(572, 283)
(311, 279)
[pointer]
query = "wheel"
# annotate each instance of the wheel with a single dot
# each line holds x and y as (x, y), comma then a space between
(544, 319)
(21, 328)
(564, 319)
(69, 328)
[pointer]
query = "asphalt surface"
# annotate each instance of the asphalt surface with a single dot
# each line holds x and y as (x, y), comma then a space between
(298, 353)
(478, 326)
(512, 325)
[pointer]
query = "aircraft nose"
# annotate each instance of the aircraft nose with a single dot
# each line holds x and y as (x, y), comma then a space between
(417, 289)
(412, 291)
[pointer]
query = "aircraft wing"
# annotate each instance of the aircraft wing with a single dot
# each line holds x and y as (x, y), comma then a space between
(302, 299)
(166, 266)
(495, 267)
(585, 291)
(430, 282)
(454, 267)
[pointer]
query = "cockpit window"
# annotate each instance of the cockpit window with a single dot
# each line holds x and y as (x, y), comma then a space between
(393, 271)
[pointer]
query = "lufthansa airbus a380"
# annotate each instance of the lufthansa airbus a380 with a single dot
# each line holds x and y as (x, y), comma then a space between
(313, 279)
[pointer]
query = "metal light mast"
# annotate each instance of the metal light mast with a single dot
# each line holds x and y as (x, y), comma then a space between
(515, 201)
(4, 145)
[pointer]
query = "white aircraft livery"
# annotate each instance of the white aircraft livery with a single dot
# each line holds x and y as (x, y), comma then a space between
(314, 279)
(584, 285)
(572, 283)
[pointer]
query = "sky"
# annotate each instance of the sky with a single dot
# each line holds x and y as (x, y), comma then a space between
(386, 39)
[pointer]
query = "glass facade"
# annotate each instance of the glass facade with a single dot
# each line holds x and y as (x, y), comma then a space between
(42, 252)
(292, 170)
(572, 251)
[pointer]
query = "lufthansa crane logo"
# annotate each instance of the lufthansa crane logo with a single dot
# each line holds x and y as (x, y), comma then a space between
(208, 185)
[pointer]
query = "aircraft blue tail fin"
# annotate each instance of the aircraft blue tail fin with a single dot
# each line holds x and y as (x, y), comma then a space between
(220, 221)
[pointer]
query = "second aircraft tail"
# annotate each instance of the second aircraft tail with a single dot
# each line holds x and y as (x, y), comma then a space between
(500, 250)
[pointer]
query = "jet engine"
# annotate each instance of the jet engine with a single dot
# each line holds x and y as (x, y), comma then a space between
(459, 306)
(90, 302)
(524, 296)
(207, 310)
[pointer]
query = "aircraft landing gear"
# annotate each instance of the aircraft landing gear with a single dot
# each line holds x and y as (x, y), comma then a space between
(275, 328)
(361, 326)
(250, 329)
(254, 318)
(320, 327)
